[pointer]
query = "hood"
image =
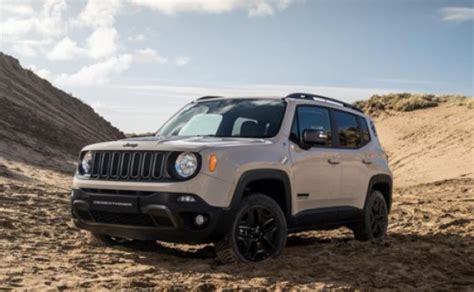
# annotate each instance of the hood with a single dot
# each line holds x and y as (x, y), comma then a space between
(156, 143)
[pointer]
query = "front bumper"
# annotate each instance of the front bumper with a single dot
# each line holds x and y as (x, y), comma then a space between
(147, 215)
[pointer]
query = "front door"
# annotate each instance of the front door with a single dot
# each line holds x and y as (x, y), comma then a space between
(316, 169)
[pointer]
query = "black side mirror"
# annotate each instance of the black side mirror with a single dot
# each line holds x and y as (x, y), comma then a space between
(314, 137)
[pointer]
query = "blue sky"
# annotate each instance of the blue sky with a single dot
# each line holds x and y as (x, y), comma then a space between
(138, 61)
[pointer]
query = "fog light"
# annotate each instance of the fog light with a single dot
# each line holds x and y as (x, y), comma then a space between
(186, 199)
(200, 220)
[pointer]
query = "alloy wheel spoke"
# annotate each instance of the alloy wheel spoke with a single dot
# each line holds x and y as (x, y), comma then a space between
(269, 224)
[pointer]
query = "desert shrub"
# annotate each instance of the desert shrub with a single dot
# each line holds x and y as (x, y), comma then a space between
(404, 102)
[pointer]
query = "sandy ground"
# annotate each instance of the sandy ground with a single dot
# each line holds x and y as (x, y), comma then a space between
(430, 242)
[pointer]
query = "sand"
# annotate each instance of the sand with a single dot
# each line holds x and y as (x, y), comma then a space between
(430, 242)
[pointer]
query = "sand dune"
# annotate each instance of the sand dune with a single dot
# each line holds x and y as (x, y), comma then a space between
(42, 125)
(430, 144)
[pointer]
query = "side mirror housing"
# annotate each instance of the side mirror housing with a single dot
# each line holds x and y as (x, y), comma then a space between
(314, 137)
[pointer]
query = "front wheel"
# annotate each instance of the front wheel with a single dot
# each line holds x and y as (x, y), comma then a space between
(258, 232)
(375, 220)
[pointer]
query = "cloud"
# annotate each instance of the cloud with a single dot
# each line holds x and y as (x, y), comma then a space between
(98, 73)
(43, 73)
(27, 32)
(16, 8)
(149, 55)
(65, 49)
(102, 42)
(457, 14)
(99, 13)
(48, 22)
(182, 60)
(29, 48)
(253, 7)
(261, 8)
(136, 38)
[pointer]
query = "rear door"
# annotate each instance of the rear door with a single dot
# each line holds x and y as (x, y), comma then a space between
(351, 140)
(316, 170)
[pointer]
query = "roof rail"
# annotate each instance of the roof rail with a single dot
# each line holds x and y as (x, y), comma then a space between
(209, 97)
(310, 96)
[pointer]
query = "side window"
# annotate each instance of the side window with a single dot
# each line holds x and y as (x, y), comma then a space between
(347, 128)
(364, 130)
(314, 118)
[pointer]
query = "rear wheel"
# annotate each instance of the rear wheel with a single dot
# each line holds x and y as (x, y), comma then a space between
(375, 221)
(258, 232)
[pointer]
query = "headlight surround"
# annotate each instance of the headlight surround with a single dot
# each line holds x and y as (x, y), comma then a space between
(86, 164)
(186, 165)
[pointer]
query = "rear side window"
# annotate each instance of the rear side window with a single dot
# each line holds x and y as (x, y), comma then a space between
(348, 131)
(312, 118)
(364, 127)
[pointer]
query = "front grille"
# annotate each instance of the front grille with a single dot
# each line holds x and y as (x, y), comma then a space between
(124, 165)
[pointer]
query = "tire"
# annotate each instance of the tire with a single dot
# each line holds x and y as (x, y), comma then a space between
(99, 240)
(258, 232)
(375, 219)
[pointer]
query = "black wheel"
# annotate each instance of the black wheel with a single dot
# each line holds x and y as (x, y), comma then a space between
(375, 221)
(258, 232)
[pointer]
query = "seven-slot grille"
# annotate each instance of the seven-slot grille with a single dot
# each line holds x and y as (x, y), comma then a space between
(125, 165)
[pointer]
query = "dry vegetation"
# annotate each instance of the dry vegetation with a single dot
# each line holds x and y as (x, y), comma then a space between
(405, 102)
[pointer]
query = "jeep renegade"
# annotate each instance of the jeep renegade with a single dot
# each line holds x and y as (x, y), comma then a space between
(241, 173)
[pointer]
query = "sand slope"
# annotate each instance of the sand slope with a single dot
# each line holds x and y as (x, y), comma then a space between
(429, 144)
(42, 125)
(430, 245)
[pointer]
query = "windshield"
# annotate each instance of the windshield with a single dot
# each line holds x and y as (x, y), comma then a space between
(250, 118)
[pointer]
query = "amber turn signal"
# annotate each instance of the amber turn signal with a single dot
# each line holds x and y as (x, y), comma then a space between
(212, 162)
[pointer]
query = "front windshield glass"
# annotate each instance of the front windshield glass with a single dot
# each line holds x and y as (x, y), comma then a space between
(250, 118)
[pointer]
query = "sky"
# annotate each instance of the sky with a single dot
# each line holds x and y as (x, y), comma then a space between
(136, 62)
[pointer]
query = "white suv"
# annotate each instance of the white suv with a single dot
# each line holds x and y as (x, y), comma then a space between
(239, 172)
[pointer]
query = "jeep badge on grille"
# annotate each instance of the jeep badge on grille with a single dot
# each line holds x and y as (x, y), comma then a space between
(130, 145)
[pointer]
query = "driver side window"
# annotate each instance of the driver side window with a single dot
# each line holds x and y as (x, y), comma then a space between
(311, 118)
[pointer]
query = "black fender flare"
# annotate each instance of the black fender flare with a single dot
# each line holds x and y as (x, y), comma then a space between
(380, 178)
(260, 174)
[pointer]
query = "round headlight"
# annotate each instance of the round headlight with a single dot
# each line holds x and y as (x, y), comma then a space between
(86, 163)
(186, 164)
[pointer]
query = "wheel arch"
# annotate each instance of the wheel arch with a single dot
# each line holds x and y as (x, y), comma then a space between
(252, 177)
(382, 183)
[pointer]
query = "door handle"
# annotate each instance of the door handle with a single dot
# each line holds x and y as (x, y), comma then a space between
(333, 161)
(365, 161)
